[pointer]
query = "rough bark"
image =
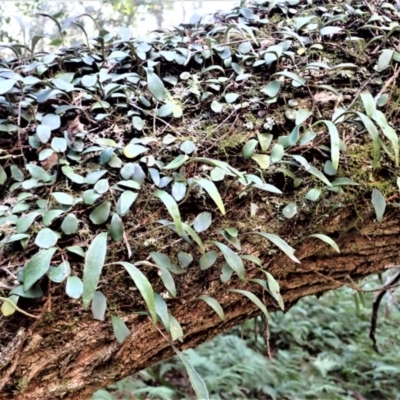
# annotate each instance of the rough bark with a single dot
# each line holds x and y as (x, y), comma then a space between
(70, 356)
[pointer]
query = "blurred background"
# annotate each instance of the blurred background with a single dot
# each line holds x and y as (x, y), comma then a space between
(141, 16)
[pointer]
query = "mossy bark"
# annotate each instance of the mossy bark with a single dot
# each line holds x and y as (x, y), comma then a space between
(66, 354)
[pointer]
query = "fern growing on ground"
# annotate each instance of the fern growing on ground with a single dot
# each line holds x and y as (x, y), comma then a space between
(320, 350)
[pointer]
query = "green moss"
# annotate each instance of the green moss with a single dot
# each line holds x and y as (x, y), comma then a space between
(233, 141)
(360, 169)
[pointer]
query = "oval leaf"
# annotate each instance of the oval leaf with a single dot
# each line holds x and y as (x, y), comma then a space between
(212, 190)
(121, 331)
(172, 208)
(202, 222)
(37, 266)
(144, 286)
(379, 203)
(253, 298)
(234, 261)
(94, 261)
(327, 240)
(214, 304)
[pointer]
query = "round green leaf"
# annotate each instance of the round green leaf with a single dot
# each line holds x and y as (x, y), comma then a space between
(185, 259)
(202, 222)
(121, 331)
(58, 274)
(63, 198)
(116, 228)
(46, 238)
(231, 97)
(101, 186)
(248, 148)
(70, 224)
(101, 213)
(53, 121)
(188, 147)
(155, 85)
(290, 210)
(137, 123)
(272, 89)
(216, 106)
(6, 85)
(59, 144)
(74, 287)
(43, 132)
(125, 202)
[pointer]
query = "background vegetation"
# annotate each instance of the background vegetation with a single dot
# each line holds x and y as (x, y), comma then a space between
(320, 349)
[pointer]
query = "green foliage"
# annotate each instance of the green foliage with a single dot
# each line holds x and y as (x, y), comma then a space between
(141, 130)
(316, 354)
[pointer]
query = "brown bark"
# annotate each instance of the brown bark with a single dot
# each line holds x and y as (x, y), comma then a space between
(70, 356)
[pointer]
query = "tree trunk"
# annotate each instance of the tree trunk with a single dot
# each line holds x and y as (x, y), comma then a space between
(70, 356)
(275, 86)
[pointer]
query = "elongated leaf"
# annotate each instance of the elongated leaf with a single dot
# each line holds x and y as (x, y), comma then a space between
(167, 279)
(335, 142)
(220, 164)
(194, 236)
(197, 383)
(326, 239)
(389, 132)
(330, 30)
(172, 208)
(175, 328)
(212, 190)
(214, 304)
(368, 103)
(37, 266)
(144, 286)
(99, 305)
(277, 241)
(177, 162)
(373, 131)
(155, 85)
(291, 75)
(121, 331)
(379, 203)
(234, 261)
(253, 298)
(252, 258)
(274, 289)
(312, 170)
(385, 58)
(116, 228)
(94, 261)
(162, 310)
(316, 172)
